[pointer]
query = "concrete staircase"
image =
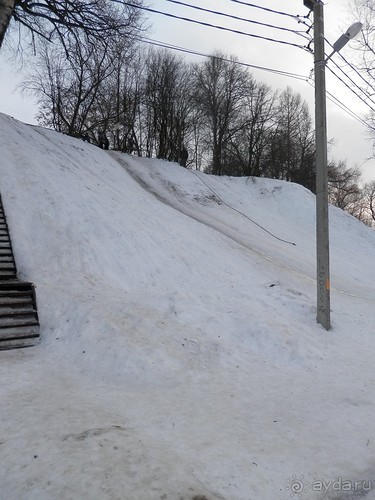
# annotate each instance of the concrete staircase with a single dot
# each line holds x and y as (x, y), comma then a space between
(19, 323)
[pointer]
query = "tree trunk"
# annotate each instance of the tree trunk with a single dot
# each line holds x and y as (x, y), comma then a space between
(6, 11)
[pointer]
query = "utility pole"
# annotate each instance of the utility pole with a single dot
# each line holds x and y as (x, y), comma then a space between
(322, 222)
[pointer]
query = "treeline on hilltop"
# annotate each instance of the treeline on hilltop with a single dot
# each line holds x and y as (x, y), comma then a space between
(153, 103)
(212, 116)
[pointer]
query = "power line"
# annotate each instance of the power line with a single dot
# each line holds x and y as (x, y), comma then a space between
(279, 72)
(239, 211)
(344, 108)
(219, 13)
(353, 68)
(367, 95)
(295, 17)
(357, 72)
(201, 54)
(287, 74)
(347, 110)
(209, 25)
(351, 89)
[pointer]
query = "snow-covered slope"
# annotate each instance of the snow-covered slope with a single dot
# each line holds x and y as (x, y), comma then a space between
(180, 354)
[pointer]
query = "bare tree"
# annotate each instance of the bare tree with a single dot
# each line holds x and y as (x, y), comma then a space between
(100, 20)
(119, 97)
(344, 188)
(167, 101)
(369, 203)
(130, 93)
(220, 92)
(248, 145)
(68, 88)
(291, 150)
(6, 13)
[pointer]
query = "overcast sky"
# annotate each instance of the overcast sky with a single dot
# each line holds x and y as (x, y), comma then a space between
(349, 134)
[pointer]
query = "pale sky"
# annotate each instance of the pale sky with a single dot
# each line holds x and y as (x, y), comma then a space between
(349, 135)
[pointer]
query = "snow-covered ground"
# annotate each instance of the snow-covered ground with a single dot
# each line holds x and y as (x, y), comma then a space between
(180, 355)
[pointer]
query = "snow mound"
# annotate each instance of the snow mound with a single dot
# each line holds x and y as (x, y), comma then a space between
(178, 330)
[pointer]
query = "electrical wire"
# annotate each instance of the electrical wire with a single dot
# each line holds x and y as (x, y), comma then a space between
(369, 85)
(287, 74)
(347, 110)
(219, 13)
(201, 54)
(353, 68)
(295, 17)
(344, 108)
(222, 28)
(351, 89)
(282, 73)
(267, 9)
(239, 212)
(366, 94)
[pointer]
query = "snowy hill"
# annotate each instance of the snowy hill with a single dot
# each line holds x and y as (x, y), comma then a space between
(180, 355)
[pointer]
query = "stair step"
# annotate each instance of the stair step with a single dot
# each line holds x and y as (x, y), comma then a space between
(18, 321)
(16, 285)
(19, 343)
(8, 310)
(14, 293)
(13, 312)
(18, 334)
(22, 333)
(15, 297)
(14, 301)
(18, 324)
(6, 265)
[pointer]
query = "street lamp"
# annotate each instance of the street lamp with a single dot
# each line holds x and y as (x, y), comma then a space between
(322, 225)
(351, 33)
